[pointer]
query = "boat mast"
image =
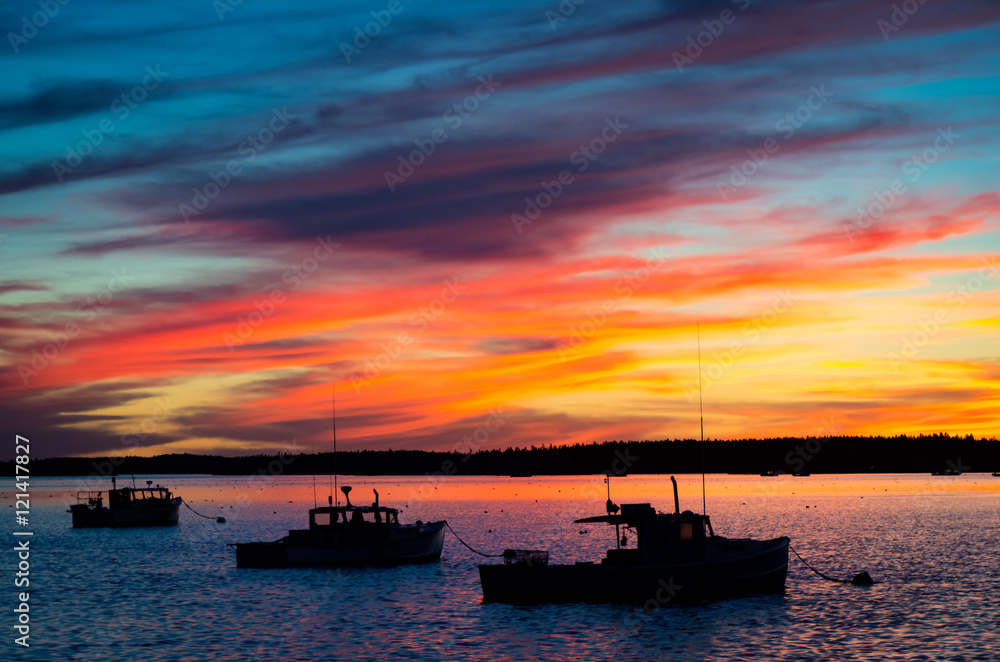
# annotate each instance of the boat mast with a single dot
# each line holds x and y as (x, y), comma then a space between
(701, 418)
(333, 395)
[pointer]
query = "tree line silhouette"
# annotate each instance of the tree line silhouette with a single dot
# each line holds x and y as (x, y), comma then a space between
(840, 454)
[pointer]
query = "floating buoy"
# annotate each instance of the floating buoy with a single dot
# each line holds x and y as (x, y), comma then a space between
(862, 579)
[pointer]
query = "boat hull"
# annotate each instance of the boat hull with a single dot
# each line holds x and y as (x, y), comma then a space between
(762, 569)
(413, 543)
(138, 514)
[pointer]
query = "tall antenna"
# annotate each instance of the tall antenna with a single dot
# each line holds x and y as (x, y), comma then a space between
(701, 417)
(333, 395)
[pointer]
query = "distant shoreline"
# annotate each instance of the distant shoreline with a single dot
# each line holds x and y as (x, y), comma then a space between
(940, 453)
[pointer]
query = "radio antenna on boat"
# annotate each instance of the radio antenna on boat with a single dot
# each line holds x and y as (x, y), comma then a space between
(701, 418)
(333, 396)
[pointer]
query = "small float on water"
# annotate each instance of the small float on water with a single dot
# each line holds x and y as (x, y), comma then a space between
(126, 506)
(676, 553)
(347, 535)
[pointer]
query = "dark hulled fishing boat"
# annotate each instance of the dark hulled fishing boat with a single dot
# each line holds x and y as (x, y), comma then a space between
(347, 535)
(676, 553)
(126, 506)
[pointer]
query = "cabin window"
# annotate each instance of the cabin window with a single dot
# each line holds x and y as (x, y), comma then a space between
(322, 519)
(687, 530)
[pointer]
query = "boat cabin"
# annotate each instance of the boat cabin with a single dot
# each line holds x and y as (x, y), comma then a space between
(349, 521)
(124, 497)
(661, 538)
(672, 538)
(334, 516)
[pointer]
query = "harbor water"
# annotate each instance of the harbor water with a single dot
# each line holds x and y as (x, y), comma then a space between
(176, 594)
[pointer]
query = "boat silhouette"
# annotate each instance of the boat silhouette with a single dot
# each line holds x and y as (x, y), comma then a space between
(347, 535)
(677, 554)
(126, 506)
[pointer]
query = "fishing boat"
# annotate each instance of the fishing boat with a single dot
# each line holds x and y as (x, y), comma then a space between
(676, 554)
(126, 506)
(347, 535)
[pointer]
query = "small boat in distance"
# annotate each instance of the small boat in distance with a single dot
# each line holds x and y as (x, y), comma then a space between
(676, 553)
(948, 472)
(347, 535)
(127, 506)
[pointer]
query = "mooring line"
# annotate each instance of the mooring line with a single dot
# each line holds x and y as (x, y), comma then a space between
(219, 519)
(467, 546)
(860, 579)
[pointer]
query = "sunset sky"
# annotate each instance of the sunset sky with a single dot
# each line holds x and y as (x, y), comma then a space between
(496, 222)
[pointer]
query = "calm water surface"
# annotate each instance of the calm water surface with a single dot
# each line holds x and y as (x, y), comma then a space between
(176, 594)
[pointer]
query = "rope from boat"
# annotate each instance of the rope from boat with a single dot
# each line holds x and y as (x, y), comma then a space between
(860, 579)
(467, 546)
(217, 519)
